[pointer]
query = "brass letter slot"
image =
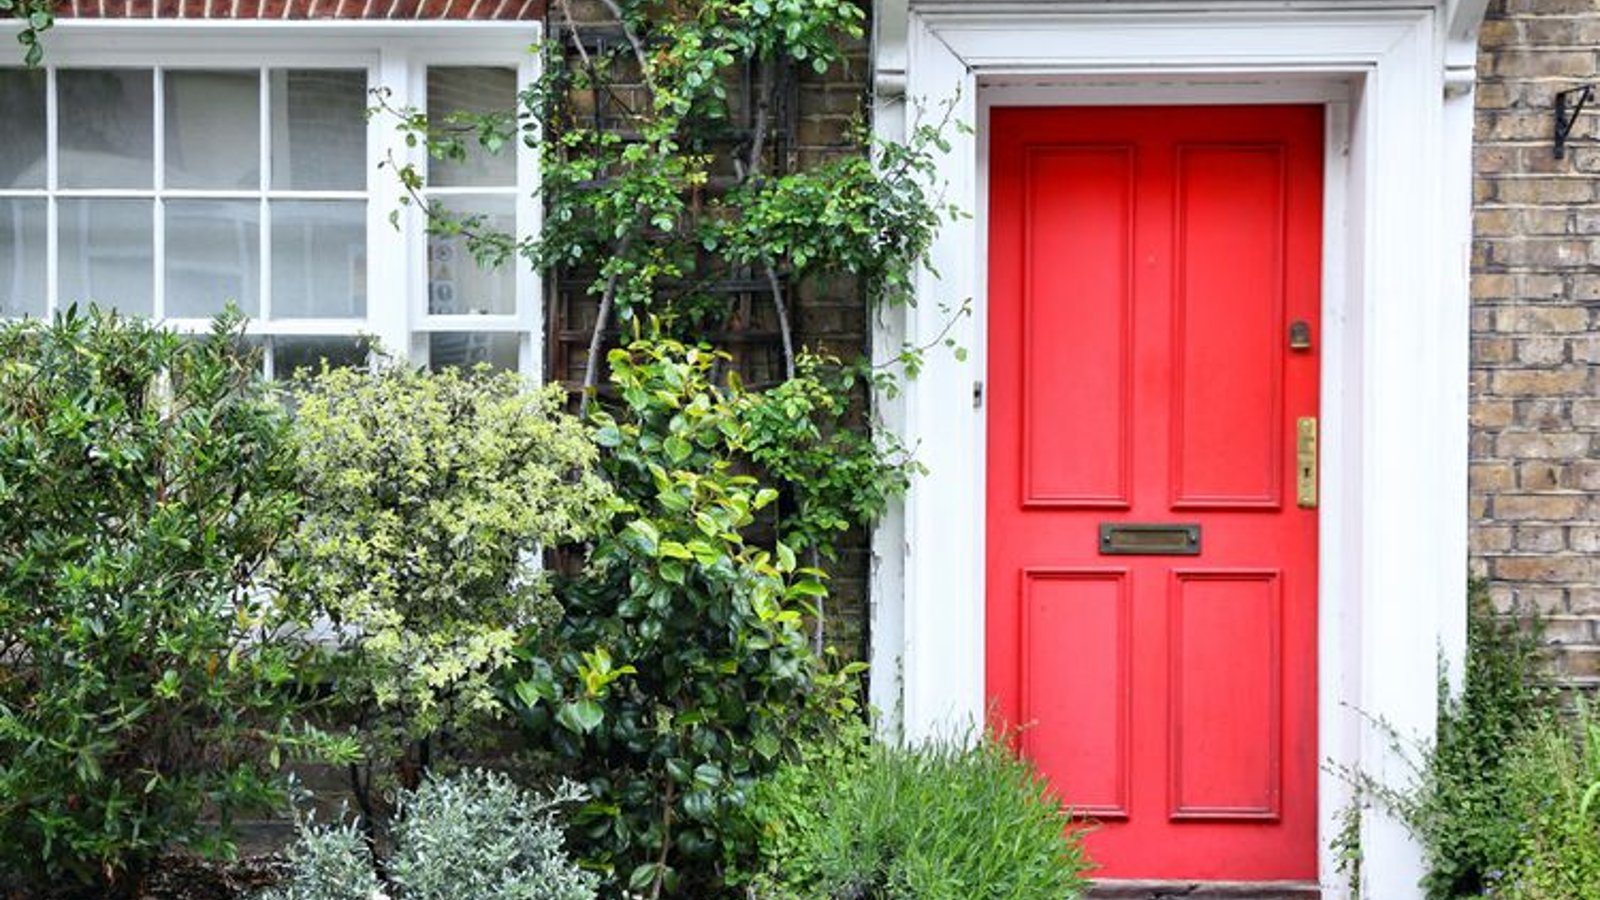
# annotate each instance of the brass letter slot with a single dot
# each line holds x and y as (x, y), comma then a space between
(1149, 540)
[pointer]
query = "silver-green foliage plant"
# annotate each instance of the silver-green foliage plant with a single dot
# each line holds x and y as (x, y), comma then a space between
(479, 837)
(328, 862)
(938, 822)
(428, 498)
(474, 836)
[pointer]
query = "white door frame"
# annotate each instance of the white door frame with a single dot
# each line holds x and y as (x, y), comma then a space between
(1394, 331)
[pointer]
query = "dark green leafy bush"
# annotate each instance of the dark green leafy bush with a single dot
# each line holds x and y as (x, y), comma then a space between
(145, 679)
(1553, 778)
(856, 821)
(1469, 808)
(839, 474)
(682, 671)
(473, 836)
(1466, 812)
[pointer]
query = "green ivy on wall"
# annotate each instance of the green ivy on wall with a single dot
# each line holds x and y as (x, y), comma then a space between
(36, 17)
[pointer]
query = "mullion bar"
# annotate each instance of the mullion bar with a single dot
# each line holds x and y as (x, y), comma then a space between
(158, 118)
(52, 217)
(263, 183)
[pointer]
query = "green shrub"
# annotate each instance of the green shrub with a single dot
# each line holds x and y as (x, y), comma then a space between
(145, 679)
(682, 670)
(328, 862)
(428, 498)
(873, 822)
(1553, 778)
(838, 474)
(474, 836)
(1465, 812)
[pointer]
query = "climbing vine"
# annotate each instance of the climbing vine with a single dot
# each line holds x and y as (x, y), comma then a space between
(36, 17)
(672, 193)
(691, 657)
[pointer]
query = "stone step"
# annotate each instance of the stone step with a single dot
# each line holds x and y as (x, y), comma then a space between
(1116, 889)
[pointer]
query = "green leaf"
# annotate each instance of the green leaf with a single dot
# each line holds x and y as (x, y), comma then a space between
(679, 770)
(580, 716)
(643, 877)
(807, 589)
(677, 449)
(530, 693)
(673, 572)
(169, 685)
(704, 553)
(645, 535)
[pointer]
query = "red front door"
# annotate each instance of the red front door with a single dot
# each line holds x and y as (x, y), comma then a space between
(1153, 358)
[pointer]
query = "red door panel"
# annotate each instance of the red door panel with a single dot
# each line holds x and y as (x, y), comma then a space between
(1145, 267)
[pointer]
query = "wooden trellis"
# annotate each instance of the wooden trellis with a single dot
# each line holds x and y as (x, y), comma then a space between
(740, 319)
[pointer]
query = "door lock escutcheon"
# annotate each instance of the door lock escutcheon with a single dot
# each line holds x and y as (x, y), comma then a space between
(1306, 462)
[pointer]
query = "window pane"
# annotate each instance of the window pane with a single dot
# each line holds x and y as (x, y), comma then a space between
(22, 140)
(106, 253)
(319, 129)
(467, 350)
(213, 256)
(472, 90)
(22, 249)
(106, 133)
(319, 259)
(292, 354)
(213, 128)
(457, 285)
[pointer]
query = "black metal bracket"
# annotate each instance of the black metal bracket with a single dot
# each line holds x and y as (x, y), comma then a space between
(1565, 120)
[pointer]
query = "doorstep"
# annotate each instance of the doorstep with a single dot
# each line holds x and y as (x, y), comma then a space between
(1113, 889)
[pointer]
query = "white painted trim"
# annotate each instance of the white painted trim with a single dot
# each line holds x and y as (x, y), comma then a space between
(1236, 90)
(1395, 313)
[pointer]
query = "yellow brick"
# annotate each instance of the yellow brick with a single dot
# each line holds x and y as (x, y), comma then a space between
(1542, 317)
(1541, 382)
(1492, 476)
(1538, 507)
(1537, 445)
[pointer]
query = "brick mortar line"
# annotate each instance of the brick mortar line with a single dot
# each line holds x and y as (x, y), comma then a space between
(1498, 206)
(1516, 176)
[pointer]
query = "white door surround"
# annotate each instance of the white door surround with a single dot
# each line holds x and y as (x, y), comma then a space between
(1395, 78)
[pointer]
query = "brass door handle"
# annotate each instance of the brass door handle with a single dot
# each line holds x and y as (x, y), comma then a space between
(1306, 462)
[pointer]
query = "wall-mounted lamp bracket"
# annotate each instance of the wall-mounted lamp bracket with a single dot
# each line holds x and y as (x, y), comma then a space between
(1565, 120)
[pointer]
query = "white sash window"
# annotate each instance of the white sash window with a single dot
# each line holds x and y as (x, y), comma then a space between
(167, 170)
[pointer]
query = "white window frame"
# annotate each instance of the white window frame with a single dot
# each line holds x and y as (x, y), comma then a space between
(396, 56)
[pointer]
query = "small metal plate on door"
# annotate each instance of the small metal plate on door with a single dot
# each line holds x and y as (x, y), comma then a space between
(1132, 539)
(1300, 335)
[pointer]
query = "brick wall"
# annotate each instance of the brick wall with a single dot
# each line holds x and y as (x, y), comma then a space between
(303, 9)
(1535, 482)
